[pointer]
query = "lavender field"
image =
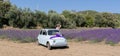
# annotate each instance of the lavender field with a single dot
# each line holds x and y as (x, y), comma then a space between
(107, 35)
(17, 34)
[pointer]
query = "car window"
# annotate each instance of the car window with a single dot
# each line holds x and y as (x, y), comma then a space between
(52, 32)
(44, 33)
(41, 32)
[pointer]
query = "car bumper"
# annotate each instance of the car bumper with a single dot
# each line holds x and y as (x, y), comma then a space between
(59, 44)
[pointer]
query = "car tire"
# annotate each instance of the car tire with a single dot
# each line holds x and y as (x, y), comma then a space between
(48, 46)
(66, 46)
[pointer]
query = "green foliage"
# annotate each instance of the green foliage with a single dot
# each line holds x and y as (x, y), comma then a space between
(1, 0)
(3, 37)
(13, 16)
(80, 39)
(14, 39)
(94, 41)
(111, 19)
(27, 40)
(89, 21)
(23, 40)
(111, 43)
(4, 8)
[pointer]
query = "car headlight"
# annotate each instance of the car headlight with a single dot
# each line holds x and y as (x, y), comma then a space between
(65, 40)
(54, 41)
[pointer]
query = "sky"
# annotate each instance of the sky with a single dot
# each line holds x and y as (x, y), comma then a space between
(77, 5)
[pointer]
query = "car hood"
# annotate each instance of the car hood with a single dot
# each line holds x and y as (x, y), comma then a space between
(56, 36)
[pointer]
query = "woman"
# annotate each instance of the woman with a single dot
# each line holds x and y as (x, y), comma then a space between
(58, 26)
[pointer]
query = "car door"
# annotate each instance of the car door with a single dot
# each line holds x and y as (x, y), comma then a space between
(40, 37)
(44, 39)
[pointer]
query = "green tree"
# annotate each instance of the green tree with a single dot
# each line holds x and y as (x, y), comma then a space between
(89, 21)
(4, 8)
(80, 20)
(111, 20)
(42, 18)
(71, 16)
(1, 0)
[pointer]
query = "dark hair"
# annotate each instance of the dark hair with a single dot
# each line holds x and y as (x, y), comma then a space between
(58, 25)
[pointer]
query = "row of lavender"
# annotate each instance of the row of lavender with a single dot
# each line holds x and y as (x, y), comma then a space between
(19, 34)
(108, 35)
(33, 33)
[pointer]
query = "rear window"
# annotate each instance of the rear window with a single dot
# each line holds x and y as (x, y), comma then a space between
(52, 32)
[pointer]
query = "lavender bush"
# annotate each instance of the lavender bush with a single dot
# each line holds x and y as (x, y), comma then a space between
(23, 35)
(107, 35)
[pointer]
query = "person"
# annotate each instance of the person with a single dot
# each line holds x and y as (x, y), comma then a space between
(58, 26)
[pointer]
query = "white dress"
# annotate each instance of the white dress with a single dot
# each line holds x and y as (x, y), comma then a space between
(58, 28)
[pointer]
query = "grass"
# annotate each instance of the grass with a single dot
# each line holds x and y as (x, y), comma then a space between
(111, 43)
(3, 37)
(95, 41)
(91, 41)
(24, 40)
(29, 40)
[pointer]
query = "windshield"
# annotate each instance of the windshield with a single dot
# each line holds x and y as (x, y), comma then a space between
(53, 32)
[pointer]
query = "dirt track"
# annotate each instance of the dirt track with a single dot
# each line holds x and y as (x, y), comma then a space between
(9, 48)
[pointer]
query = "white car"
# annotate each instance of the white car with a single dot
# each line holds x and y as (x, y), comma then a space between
(51, 38)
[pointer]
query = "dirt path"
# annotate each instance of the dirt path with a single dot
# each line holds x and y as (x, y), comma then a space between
(9, 48)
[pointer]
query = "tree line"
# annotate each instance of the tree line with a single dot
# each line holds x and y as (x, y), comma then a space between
(11, 15)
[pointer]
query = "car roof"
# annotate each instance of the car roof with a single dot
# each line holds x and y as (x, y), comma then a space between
(49, 29)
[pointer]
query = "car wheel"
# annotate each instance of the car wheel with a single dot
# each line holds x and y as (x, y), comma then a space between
(66, 46)
(48, 46)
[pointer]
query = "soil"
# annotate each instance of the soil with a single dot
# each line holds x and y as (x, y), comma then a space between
(10, 48)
